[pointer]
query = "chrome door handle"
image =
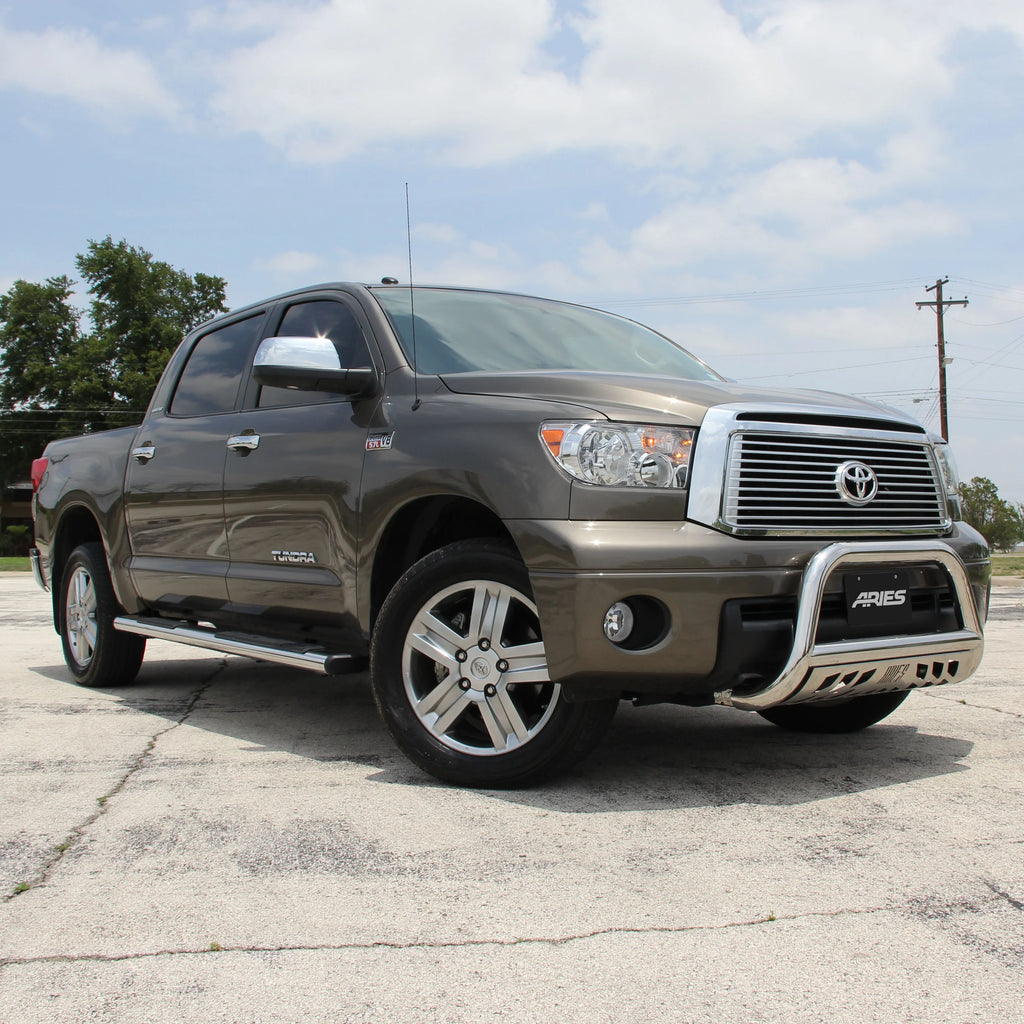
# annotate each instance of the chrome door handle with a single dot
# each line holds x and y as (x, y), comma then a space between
(244, 442)
(144, 452)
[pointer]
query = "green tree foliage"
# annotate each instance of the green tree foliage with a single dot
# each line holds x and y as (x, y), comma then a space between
(140, 310)
(62, 373)
(38, 330)
(999, 522)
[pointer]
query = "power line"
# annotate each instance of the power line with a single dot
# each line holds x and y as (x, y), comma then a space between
(995, 323)
(830, 369)
(751, 296)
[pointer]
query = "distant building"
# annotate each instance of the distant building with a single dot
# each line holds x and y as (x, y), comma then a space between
(16, 505)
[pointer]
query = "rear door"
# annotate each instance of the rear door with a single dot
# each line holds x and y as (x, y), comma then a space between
(174, 483)
(291, 499)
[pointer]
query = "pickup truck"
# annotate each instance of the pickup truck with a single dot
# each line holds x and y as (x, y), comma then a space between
(517, 513)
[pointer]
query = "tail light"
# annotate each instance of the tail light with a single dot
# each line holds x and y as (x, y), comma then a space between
(38, 470)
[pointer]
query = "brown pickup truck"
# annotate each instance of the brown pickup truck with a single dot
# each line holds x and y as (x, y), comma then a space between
(518, 512)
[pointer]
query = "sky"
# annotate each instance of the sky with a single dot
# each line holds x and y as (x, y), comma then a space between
(772, 183)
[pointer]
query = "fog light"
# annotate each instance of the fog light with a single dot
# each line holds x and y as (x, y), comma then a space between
(618, 622)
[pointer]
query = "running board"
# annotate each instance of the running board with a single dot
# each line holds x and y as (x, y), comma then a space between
(247, 645)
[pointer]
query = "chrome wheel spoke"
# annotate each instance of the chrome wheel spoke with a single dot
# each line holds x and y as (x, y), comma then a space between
(497, 729)
(88, 636)
(527, 663)
(89, 599)
(435, 640)
(490, 610)
(454, 712)
(507, 715)
(441, 698)
(443, 706)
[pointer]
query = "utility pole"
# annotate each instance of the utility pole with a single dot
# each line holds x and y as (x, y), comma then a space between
(940, 307)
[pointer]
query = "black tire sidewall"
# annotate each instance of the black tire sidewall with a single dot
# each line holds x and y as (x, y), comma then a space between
(570, 732)
(850, 716)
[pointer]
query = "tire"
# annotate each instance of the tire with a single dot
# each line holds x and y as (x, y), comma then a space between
(850, 716)
(460, 676)
(95, 652)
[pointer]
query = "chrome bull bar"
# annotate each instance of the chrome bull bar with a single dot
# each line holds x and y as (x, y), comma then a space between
(852, 668)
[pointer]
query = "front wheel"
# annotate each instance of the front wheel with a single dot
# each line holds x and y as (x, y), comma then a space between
(849, 716)
(460, 675)
(95, 652)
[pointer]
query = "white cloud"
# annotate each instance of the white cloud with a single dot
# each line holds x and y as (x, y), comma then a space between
(862, 330)
(74, 65)
(597, 212)
(443, 234)
(659, 80)
(291, 263)
(341, 76)
(784, 219)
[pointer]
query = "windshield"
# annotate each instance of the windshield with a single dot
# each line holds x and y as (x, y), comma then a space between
(464, 331)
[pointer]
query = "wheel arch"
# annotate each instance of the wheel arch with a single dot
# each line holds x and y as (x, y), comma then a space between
(422, 526)
(77, 525)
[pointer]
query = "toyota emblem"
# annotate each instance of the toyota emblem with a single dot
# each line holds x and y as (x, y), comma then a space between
(856, 483)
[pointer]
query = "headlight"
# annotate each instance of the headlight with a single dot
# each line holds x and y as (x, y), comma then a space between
(950, 479)
(621, 454)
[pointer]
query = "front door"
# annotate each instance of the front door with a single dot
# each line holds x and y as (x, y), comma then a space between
(291, 498)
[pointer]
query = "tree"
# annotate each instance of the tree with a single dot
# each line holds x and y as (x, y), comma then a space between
(141, 309)
(999, 522)
(56, 378)
(39, 330)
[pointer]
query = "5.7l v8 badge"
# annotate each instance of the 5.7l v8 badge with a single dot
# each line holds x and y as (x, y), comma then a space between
(378, 442)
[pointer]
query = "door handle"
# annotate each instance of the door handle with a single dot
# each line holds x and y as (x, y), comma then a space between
(144, 452)
(244, 442)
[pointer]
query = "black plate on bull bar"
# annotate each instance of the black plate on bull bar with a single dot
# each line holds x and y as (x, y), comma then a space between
(879, 599)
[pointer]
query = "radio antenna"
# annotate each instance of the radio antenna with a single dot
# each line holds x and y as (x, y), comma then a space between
(412, 305)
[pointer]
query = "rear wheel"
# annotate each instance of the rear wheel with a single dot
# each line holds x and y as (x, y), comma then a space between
(460, 674)
(850, 716)
(96, 653)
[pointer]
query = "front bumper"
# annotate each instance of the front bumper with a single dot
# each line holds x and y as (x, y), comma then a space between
(706, 582)
(829, 671)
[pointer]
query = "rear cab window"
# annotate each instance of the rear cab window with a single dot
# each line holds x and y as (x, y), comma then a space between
(210, 380)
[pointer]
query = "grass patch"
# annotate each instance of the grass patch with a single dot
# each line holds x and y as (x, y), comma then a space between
(1007, 565)
(15, 565)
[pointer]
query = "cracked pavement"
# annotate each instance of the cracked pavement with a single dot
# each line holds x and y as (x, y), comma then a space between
(226, 841)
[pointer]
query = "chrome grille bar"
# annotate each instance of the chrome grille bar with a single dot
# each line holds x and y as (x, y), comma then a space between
(786, 481)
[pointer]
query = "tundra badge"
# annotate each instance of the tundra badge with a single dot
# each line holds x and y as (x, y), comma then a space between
(300, 557)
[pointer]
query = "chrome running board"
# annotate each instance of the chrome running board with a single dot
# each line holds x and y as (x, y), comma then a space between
(281, 652)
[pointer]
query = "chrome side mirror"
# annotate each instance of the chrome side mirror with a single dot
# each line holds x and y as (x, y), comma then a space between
(310, 364)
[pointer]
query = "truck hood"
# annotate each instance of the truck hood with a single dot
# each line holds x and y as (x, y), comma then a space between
(662, 399)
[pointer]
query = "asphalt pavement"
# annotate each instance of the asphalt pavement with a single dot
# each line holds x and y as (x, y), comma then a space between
(227, 841)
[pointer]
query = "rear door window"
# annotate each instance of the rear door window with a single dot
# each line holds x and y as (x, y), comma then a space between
(209, 383)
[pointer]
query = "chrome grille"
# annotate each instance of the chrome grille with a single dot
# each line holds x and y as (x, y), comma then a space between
(786, 483)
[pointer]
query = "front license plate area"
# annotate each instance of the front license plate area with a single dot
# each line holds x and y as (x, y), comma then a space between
(879, 599)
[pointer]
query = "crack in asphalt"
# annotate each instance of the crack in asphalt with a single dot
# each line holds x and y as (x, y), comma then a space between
(1003, 895)
(537, 940)
(969, 704)
(103, 802)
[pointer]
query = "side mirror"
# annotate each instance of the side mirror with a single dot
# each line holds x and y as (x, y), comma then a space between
(310, 364)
